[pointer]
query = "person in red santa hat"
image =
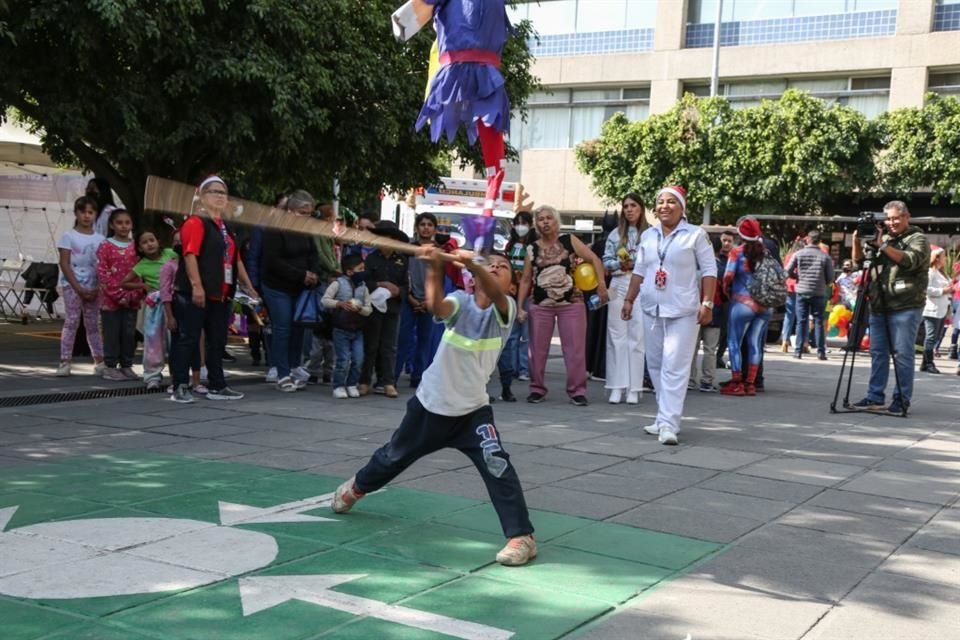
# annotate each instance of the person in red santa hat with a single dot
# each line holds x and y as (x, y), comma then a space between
(678, 271)
(747, 319)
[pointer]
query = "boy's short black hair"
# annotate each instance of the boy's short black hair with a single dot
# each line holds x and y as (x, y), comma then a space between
(351, 261)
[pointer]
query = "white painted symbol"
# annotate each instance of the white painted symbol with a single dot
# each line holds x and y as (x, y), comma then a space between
(231, 513)
(257, 594)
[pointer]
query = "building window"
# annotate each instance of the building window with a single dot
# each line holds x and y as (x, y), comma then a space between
(946, 15)
(769, 21)
(868, 95)
(945, 83)
(577, 27)
(564, 118)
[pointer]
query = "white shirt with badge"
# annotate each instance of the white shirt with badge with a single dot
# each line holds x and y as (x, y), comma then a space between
(672, 267)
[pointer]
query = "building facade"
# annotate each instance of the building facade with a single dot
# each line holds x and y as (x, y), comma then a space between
(597, 57)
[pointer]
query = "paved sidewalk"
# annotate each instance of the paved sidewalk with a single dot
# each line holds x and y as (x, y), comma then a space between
(814, 525)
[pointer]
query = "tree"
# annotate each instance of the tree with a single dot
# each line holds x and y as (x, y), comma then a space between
(273, 94)
(922, 148)
(782, 156)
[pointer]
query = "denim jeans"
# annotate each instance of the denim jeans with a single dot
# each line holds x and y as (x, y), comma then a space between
(287, 340)
(932, 329)
(810, 306)
(349, 348)
(414, 343)
(903, 327)
(789, 318)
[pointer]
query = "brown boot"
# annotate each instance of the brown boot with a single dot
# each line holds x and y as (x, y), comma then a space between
(785, 346)
(390, 391)
(363, 389)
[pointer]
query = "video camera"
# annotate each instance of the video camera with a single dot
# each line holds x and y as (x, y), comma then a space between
(869, 222)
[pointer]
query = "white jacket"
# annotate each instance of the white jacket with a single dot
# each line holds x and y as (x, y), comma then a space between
(938, 302)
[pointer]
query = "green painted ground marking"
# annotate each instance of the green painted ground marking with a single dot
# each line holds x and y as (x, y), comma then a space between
(412, 559)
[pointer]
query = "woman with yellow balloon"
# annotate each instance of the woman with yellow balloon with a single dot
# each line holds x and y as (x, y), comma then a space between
(557, 283)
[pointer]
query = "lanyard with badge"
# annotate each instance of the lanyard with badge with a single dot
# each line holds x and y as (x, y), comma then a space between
(660, 277)
(227, 262)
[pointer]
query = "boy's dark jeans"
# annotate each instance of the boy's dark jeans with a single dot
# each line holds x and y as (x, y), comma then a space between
(380, 347)
(474, 434)
(191, 321)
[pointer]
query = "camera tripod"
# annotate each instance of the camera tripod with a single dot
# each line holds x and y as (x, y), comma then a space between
(854, 336)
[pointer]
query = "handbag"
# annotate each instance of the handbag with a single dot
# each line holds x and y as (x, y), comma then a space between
(308, 312)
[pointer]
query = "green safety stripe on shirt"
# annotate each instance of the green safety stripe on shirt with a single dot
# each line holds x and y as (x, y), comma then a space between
(471, 344)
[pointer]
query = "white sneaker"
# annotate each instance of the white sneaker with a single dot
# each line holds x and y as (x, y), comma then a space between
(286, 385)
(300, 384)
(203, 374)
(616, 396)
(353, 392)
(63, 371)
(667, 437)
(300, 374)
(271, 375)
(340, 393)
(633, 397)
(98, 369)
(652, 429)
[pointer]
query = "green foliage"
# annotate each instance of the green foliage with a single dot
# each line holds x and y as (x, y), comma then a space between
(782, 156)
(922, 148)
(272, 94)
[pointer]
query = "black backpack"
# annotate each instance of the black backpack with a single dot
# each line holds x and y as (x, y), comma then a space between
(769, 285)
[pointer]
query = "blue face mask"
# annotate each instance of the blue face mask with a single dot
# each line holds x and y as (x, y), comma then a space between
(358, 278)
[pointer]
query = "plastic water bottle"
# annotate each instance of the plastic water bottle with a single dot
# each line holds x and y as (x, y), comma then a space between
(593, 302)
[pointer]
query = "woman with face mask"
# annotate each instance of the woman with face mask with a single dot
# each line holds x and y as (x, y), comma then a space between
(517, 349)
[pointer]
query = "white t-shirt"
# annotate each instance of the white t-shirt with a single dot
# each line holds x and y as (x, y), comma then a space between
(83, 256)
(455, 384)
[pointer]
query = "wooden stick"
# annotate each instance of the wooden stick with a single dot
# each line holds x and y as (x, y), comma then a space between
(168, 196)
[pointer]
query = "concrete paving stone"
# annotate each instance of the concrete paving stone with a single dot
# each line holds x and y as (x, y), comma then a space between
(457, 483)
(706, 457)
(136, 439)
(345, 468)
(679, 476)
(326, 431)
(577, 503)
(287, 459)
(940, 534)
(202, 411)
(761, 487)
(17, 438)
(752, 444)
(731, 504)
(214, 429)
(202, 448)
(813, 472)
(544, 436)
(71, 410)
(267, 438)
(874, 505)
(706, 610)
(818, 546)
(865, 442)
(61, 430)
(533, 474)
(923, 564)
(571, 459)
(639, 489)
(825, 455)
(23, 420)
(939, 467)
(130, 421)
(616, 445)
(940, 489)
(782, 574)
(53, 450)
(889, 606)
(845, 522)
(713, 527)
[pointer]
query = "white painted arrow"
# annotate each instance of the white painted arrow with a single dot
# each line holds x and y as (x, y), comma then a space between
(257, 594)
(232, 513)
(5, 514)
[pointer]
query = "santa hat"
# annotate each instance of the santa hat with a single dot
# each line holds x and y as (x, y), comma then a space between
(677, 192)
(748, 228)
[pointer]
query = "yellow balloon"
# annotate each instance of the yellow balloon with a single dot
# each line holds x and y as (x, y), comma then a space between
(433, 67)
(585, 277)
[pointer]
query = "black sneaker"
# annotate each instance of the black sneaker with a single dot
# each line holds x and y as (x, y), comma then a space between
(326, 378)
(868, 405)
(536, 398)
(898, 407)
(229, 357)
(821, 356)
(507, 395)
(580, 401)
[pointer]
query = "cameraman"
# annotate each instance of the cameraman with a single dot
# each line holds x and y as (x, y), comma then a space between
(897, 295)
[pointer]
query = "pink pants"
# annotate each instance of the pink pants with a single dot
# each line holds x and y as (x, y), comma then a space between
(90, 310)
(571, 320)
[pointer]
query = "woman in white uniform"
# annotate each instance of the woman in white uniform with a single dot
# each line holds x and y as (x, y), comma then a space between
(624, 337)
(678, 271)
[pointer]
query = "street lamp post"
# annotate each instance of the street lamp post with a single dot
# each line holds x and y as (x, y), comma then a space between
(714, 80)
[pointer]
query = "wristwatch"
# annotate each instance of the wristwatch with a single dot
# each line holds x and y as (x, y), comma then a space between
(708, 304)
